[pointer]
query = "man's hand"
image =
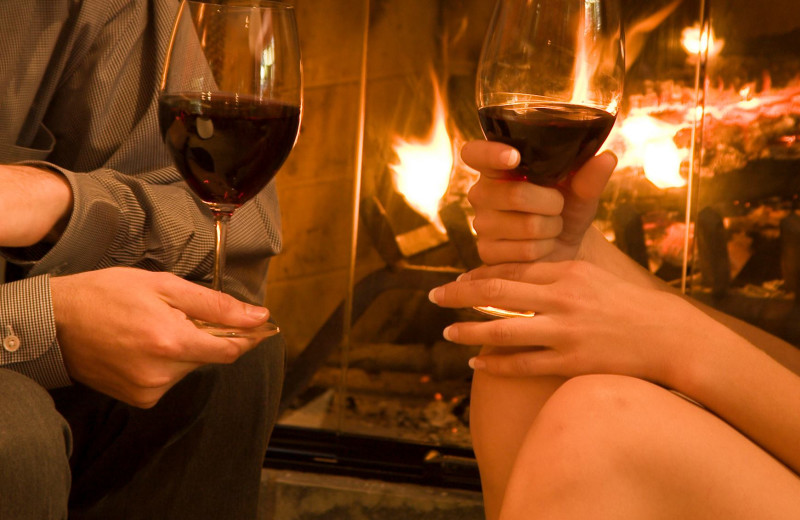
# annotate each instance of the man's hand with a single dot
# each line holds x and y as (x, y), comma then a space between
(125, 332)
(33, 203)
(519, 221)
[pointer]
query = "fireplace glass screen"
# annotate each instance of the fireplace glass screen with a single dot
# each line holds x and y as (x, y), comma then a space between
(375, 213)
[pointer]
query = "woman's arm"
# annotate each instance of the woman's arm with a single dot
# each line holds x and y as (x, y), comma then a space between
(596, 249)
(590, 321)
(609, 315)
(521, 222)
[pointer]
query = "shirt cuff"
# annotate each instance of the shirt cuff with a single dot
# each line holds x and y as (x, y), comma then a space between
(28, 330)
(89, 233)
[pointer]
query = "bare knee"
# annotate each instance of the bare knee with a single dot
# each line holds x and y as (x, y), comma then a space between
(591, 437)
(596, 416)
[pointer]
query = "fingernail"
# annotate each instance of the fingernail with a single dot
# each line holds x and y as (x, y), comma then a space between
(463, 277)
(449, 333)
(611, 155)
(476, 364)
(256, 312)
(434, 295)
(510, 157)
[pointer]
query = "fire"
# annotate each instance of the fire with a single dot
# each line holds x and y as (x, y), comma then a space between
(588, 57)
(697, 42)
(650, 145)
(580, 88)
(424, 166)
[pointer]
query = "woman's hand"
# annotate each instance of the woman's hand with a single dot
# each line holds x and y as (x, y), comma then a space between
(587, 321)
(519, 221)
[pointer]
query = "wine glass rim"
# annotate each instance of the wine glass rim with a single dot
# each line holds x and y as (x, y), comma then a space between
(247, 4)
(533, 100)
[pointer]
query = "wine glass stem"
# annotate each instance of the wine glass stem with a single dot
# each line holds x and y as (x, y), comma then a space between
(221, 219)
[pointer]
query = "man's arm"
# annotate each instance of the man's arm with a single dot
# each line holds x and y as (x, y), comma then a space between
(130, 205)
(35, 205)
(85, 108)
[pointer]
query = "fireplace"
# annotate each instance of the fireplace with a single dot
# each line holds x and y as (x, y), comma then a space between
(375, 214)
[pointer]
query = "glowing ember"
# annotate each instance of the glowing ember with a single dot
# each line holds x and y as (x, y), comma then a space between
(696, 43)
(424, 166)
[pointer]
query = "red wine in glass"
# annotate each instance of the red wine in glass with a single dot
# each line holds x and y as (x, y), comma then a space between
(230, 106)
(554, 139)
(549, 83)
(227, 148)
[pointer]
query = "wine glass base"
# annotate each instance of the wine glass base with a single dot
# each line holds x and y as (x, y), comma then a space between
(503, 313)
(225, 331)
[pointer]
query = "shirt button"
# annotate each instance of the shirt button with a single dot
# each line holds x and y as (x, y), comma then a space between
(11, 343)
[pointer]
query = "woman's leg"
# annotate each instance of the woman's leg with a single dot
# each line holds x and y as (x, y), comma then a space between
(501, 412)
(619, 447)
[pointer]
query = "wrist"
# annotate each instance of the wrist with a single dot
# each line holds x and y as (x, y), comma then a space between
(696, 349)
(37, 203)
(588, 248)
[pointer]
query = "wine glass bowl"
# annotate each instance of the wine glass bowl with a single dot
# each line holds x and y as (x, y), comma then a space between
(549, 83)
(230, 108)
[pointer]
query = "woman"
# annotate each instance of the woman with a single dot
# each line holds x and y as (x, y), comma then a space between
(635, 402)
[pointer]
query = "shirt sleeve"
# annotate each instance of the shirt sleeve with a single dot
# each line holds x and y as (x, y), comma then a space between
(131, 206)
(97, 103)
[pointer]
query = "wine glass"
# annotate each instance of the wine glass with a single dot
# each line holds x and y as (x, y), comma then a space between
(229, 109)
(549, 83)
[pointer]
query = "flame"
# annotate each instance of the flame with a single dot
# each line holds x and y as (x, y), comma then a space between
(696, 42)
(650, 145)
(580, 89)
(423, 168)
(588, 58)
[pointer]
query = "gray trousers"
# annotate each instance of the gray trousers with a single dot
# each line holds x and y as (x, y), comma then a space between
(197, 454)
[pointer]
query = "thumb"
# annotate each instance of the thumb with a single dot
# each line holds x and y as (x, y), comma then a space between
(590, 180)
(583, 196)
(213, 306)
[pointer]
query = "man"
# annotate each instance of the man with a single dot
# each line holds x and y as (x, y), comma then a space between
(152, 418)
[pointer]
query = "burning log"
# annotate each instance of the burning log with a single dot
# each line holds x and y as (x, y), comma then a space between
(790, 253)
(456, 222)
(629, 233)
(757, 181)
(712, 245)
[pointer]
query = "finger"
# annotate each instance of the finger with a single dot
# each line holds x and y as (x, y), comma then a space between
(540, 273)
(542, 362)
(200, 347)
(508, 225)
(213, 306)
(495, 292)
(515, 195)
(505, 333)
(490, 157)
(503, 251)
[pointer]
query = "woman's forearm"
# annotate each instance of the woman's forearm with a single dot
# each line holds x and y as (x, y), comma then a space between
(599, 251)
(748, 389)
